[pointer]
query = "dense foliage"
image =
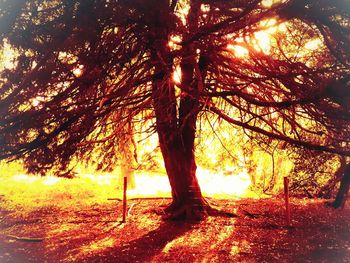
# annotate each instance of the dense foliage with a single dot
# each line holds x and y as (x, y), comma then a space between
(84, 68)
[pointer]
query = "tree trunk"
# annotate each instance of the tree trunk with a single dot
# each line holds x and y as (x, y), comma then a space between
(328, 188)
(176, 133)
(343, 189)
(181, 168)
(176, 117)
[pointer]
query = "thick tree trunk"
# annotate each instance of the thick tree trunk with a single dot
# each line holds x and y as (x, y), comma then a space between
(176, 117)
(176, 138)
(181, 168)
(343, 189)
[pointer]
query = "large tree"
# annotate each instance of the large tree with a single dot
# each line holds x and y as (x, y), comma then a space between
(83, 62)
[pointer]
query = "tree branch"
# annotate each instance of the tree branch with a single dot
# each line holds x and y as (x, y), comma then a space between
(272, 135)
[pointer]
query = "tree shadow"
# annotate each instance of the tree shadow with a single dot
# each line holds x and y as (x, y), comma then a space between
(260, 234)
(147, 246)
(217, 212)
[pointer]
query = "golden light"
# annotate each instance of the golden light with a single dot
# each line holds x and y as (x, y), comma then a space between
(313, 44)
(8, 57)
(262, 41)
(267, 3)
(182, 11)
(174, 42)
(196, 238)
(269, 25)
(219, 185)
(238, 50)
(205, 8)
(177, 74)
(96, 245)
(25, 178)
(37, 100)
(282, 27)
(67, 57)
(213, 184)
(148, 184)
(78, 71)
(51, 180)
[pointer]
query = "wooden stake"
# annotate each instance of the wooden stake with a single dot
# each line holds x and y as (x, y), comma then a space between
(286, 198)
(124, 198)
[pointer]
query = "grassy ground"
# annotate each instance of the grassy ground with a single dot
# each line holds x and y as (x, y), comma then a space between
(45, 219)
(94, 233)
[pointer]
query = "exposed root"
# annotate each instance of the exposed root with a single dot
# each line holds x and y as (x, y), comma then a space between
(193, 211)
(188, 211)
(26, 239)
(217, 212)
(172, 207)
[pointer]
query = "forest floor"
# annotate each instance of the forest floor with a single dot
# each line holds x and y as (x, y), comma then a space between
(256, 233)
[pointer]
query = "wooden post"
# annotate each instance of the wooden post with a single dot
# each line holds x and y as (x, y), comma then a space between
(286, 198)
(124, 198)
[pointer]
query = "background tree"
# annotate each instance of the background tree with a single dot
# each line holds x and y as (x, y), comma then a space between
(316, 174)
(82, 61)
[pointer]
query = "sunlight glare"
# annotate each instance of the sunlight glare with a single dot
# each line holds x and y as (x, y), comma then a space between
(37, 100)
(263, 42)
(78, 71)
(269, 25)
(238, 50)
(267, 3)
(51, 180)
(100, 179)
(8, 57)
(25, 178)
(67, 57)
(218, 184)
(148, 184)
(177, 74)
(214, 184)
(182, 11)
(313, 44)
(174, 42)
(205, 8)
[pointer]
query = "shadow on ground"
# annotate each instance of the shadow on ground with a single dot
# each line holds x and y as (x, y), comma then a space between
(144, 248)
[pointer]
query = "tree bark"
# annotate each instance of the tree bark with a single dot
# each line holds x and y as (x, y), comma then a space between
(340, 199)
(176, 117)
(176, 133)
(181, 168)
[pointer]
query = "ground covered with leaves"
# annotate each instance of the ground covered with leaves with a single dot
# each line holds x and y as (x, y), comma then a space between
(256, 232)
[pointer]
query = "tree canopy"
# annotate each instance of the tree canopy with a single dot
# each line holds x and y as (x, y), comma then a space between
(278, 69)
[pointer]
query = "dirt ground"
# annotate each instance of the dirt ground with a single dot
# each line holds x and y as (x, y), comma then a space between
(256, 233)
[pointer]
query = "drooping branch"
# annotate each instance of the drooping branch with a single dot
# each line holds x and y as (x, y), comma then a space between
(276, 136)
(93, 60)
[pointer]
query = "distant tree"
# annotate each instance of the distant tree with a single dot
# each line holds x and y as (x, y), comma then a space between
(316, 174)
(128, 150)
(81, 61)
(343, 190)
